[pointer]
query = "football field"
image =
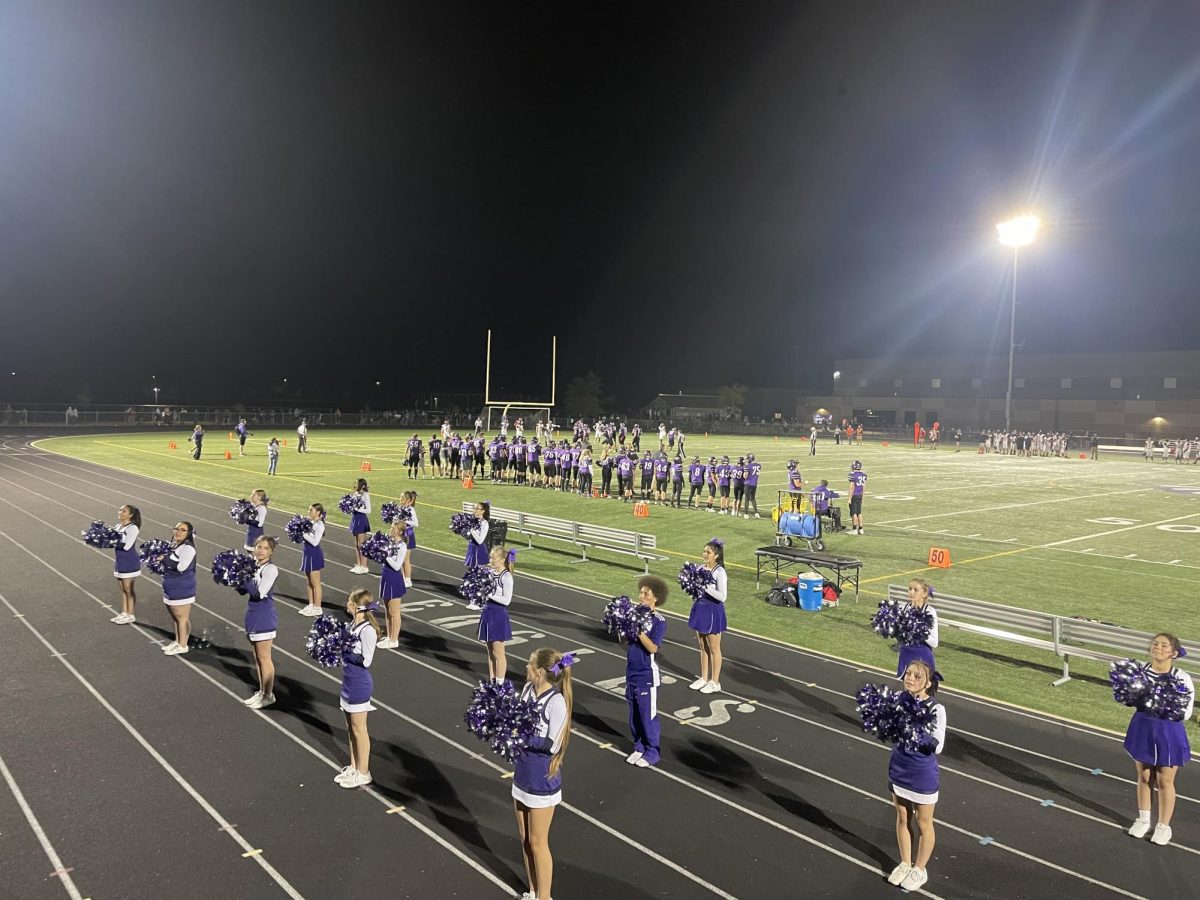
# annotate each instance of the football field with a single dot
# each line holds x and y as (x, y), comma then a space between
(1114, 540)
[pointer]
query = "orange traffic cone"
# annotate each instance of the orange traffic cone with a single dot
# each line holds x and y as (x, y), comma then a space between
(170, 445)
(228, 454)
(468, 482)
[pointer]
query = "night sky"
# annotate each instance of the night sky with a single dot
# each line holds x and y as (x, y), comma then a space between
(227, 193)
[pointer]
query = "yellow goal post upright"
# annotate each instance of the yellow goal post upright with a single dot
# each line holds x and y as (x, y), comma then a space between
(496, 408)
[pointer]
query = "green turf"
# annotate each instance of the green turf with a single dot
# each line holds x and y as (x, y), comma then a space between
(1023, 532)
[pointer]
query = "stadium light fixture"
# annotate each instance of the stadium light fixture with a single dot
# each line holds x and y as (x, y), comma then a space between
(1016, 233)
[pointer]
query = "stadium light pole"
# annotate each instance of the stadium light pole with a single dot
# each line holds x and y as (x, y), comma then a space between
(1015, 233)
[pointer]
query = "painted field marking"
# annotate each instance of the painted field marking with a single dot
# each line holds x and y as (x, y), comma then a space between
(36, 827)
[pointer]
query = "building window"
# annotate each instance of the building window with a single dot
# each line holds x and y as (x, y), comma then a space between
(935, 383)
(976, 382)
(1018, 382)
(899, 383)
(1169, 383)
(1064, 383)
(862, 382)
(1114, 382)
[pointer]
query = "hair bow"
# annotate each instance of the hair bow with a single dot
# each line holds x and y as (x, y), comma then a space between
(567, 660)
(512, 555)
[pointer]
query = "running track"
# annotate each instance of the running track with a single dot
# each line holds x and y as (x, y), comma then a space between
(130, 774)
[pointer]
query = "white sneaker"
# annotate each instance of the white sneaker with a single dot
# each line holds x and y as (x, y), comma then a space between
(642, 764)
(175, 650)
(310, 610)
(167, 649)
(356, 779)
(1162, 835)
(633, 757)
(119, 618)
(358, 570)
(914, 879)
(474, 606)
(252, 699)
(388, 644)
(1140, 828)
(711, 688)
(698, 683)
(341, 776)
(898, 873)
(757, 516)
(747, 515)
(261, 702)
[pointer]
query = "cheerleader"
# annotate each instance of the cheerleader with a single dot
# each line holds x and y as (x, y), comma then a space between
(313, 560)
(409, 501)
(262, 621)
(707, 619)
(642, 677)
(392, 587)
(357, 685)
(537, 781)
(477, 554)
(494, 626)
(913, 779)
(128, 565)
(919, 593)
(179, 585)
(1159, 746)
(360, 525)
(254, 530)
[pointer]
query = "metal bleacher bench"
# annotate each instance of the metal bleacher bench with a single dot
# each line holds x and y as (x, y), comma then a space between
(1064, 636)
(579, 534)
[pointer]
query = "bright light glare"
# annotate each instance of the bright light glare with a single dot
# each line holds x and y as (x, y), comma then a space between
(1019, 231)
(837, 374)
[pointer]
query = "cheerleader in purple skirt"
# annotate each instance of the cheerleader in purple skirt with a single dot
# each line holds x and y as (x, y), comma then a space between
(262, 621)
(1159, 746)
(919, 593)
(707, 619)
(914, 782)
(477, 551)
(128, 565)
(179, 585)
(392, 587)
(313, 560)
(254, 530)
(360, 525)
(409, 501)
(357, 686)
(537, 780)
(494, 627)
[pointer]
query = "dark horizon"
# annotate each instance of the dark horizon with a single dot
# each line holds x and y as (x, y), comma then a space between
(225, 195)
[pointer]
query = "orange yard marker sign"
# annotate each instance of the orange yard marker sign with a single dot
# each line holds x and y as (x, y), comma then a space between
(468, 482)
(641, 510)
(231, 435)
(228, 454)
(170, 445)
(285, 442)
(365, 467)
(939, 557)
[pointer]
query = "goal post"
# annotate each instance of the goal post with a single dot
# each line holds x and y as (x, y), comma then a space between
(495, 408)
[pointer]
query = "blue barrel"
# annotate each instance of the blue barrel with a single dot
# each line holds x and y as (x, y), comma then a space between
(809, 591)
(801, 525)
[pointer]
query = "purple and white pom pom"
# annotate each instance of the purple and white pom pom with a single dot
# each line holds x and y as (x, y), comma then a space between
(616, 612)
(498, 715)
(886, 619)
(389, 512)
(377, 547)
(232, 568)
(694, 579)
(244, 513)
(462, 523)
(100, 535)
(1129, 681)
(897, 717)
(1168, 698)
(914, 625)
(297, 527)
(479, 584)
(350, 504)
(328, 641)
(154, 553)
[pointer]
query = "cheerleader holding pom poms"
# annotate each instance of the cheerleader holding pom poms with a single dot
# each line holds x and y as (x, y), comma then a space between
(392, 587)
(494, 625)
(357, 686)
(708, 586)
(178, 569)
(1164, 697)
(914, 625)
(475, 529)
(537, 781)
(262, 620)
(408, 501)
(253, 517)
(357, 505)
(128, 565)
(313, 560)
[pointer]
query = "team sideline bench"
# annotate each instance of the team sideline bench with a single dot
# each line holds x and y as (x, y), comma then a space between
(578, 534)
(1064, 636)
(845, 569)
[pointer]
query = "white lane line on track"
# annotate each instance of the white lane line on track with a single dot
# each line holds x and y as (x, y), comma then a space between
(726, 738)
(646, 851)
(985, 701)
(387, 804)
(154, 754)
(64, 874)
